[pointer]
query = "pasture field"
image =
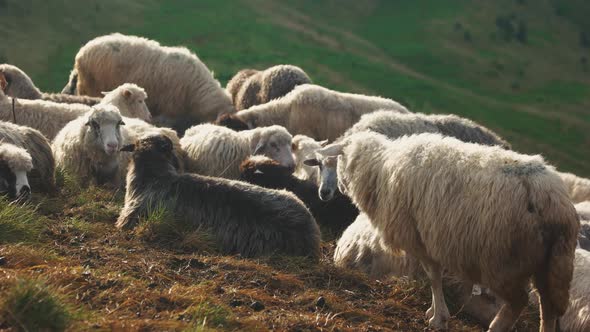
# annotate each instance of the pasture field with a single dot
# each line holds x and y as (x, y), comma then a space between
(520, 67)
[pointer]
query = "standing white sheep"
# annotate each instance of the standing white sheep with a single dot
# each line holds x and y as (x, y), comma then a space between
(182, 89)
(49, 117)
(488, 215)
(316, 111)
(219, 151)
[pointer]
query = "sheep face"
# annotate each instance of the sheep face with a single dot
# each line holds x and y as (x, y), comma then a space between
(328, 181)
(15, 162)
(275, 143)
(154, 152)
(304, 148)
(105, 130)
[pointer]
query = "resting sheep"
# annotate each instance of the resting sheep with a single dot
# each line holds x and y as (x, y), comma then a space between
(488, 215)
(231, 122)
(88, 147)
(243, 218)
(20, 85)
(42, 176)
(251, 87)
(182, 89)
(219, 151)
(583, 210)
(49, 117)
(578, 188)
(577, 315)
(336, 214)
(394, 125)
(15, 163)
(304, 148)
(316, 111)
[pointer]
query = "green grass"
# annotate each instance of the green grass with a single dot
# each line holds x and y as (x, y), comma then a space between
(534, 94)
(19, 223)
(30, 305)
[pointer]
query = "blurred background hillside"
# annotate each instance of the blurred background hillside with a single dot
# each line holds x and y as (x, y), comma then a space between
(520, 67)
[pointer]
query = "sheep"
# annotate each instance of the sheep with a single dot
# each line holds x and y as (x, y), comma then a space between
(336, 214)
(578, 188)
(304, 148)
(49, 117)
(231, 122)
(250, 87)
(394, 125)
(218, 151)
(583, 210)
(42, 176)
(316, 111)
(88, 147)
(488, 215)
(243, 218)
(182, 90)
(21, 86)
(360, 248)
(15, 163)
(577, 315)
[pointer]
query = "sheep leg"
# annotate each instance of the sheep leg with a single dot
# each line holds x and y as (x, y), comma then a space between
(438, 313)
(516, 300)
(548, 314)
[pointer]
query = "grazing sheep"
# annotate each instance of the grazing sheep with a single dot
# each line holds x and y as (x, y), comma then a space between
(231, 122)
(316, 111)
(218, 151)
(235, 84)
(42, 176)
(336, 214)
(15, 163)
(182, 89)
(20, 85)
(394, 125)
(578, 188)
(360, 248)
(251, 87)
(243, 218)
(88, 147)
(488, 215)
(304, 148)
(49, 117)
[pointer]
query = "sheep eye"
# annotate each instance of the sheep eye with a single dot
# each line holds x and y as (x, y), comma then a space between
(121, 123)
(95, 125)
(274, 145)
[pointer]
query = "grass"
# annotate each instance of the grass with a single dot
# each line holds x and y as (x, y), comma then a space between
(30, 305)
(19, 223)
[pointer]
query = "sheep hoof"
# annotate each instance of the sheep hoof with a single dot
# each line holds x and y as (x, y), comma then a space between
(438, 323)
(430, 313)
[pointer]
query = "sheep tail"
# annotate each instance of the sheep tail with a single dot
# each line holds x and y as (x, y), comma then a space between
(560, 273)
(70, 88)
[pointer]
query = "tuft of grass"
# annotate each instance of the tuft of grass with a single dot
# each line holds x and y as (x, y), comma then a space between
(163, 228)
(32, 306)
(19, 222)
(207, 314)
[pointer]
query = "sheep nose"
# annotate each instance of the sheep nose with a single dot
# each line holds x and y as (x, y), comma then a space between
(112, 145)
(24, 193)
(325, 194)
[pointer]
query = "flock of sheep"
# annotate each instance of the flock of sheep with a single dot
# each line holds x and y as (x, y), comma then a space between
(412, 194)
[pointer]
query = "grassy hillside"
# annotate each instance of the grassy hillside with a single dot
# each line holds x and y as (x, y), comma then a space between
(464, 57)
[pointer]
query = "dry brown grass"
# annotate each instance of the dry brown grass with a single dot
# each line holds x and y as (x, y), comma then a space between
(144, 281)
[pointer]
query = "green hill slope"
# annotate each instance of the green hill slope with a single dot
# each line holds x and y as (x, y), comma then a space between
(520, 67)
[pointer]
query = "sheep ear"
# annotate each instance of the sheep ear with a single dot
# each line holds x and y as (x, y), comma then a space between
(331, 150)
(104, 93)
(294, 147)
(324, 143)
(127, 93)
(311, 162)
(128, 148)
(3, 83)
(258, 147)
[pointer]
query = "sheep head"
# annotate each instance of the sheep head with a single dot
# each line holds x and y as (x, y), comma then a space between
(273, 142)
(130, 99)
(15, 163)
(104, 128)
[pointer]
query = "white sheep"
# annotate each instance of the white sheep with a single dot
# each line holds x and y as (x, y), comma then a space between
(42, 176)
(577, 315)
(487, 215)
(578, 187)
(316, 111)
(182, 89)
(304, 148)
(394, 125)
(15, 163)
(49, 117)
(88, 147)
(219, 151)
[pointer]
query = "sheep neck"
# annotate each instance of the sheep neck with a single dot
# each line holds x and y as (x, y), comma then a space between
(273, 113)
